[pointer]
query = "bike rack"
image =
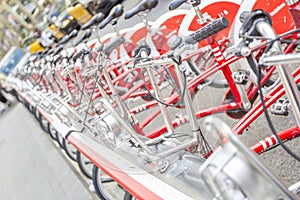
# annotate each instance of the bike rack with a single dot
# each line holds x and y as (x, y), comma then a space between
(142, 184)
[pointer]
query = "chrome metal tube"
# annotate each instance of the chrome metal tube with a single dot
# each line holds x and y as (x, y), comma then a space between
(286, 77)
(116, 96)
(163, 109)
(292, 58)
(225, 132)
(187, 101)
(125, 125)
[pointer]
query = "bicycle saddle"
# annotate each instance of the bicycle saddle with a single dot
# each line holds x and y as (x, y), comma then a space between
(143, 6)
(85, 36)
(51, 51)
(58, 49)
(115, 12)
(68, 37)
(63, 40)
(103, 6)
(45, 52)
(38, 53)
(176, 3)
(73, 34)
(94, 21)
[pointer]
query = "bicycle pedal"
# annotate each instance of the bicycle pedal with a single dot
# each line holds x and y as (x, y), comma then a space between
(280, 107)
(241, 77)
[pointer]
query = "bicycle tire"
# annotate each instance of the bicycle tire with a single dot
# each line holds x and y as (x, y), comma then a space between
(70, 150)
(128, 196)
(43, 123)
(18, 97)
(31, 108)
(25, 103)
(52, 132)
(36, 113)
(82, 161)
(60, 140)
(98, 181)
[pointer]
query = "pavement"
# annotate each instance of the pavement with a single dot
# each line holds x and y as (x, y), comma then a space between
(32, 168)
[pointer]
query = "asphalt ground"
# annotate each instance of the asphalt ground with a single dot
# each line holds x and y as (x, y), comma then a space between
(33, 167)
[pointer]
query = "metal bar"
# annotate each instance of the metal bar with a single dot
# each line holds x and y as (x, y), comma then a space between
(284, 72)
(134, 179)
(271, 141)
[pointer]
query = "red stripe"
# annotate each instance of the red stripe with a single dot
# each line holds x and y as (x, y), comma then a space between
(45, 114)
(126, 181)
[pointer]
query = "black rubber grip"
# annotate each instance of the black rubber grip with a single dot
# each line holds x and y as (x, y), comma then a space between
(114, 44)
(207, 31)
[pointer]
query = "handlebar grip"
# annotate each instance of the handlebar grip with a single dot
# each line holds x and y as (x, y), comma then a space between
(207, 31)
(114, 44)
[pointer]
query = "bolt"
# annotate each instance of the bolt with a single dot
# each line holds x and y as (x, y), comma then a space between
(247, 106)
(245, 51)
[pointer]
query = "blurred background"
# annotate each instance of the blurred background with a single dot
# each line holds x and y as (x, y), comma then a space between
(35, 24)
